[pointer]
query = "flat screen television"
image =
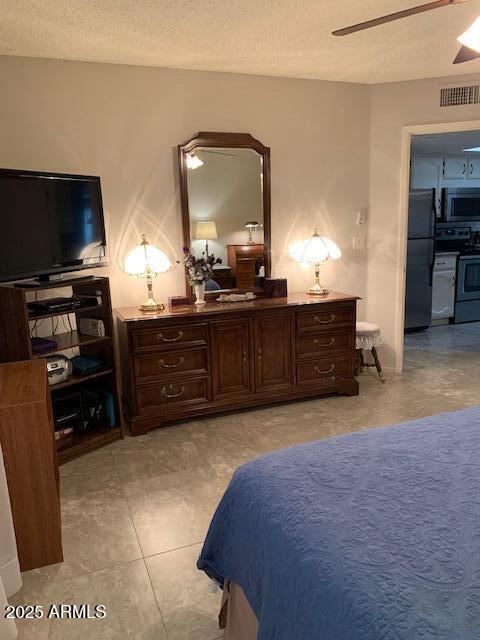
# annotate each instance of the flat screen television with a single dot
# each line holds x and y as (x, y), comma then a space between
(50, 223)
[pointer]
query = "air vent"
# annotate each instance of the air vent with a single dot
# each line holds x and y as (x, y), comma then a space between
(456, 96)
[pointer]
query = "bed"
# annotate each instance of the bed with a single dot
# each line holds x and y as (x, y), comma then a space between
(373, 535)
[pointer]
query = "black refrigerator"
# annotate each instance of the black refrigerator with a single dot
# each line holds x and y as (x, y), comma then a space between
(420, 259)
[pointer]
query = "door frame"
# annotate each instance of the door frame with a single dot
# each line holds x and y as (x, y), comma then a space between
(407, 132)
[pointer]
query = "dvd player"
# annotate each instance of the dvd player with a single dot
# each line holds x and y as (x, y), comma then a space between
(40, 307)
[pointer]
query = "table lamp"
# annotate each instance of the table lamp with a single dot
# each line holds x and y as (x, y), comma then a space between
(315, 251)
(146, 261)
(251, 226)
(206, 230)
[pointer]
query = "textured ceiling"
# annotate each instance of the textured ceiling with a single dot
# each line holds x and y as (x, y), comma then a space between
(274, 37)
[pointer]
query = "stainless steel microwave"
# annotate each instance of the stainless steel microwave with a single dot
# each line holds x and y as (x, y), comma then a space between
(461, 205)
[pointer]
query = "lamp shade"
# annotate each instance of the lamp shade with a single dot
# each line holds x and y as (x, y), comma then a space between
(146, 260)
(316, 250)
(193, 161)
(471, 37)
(206, 230)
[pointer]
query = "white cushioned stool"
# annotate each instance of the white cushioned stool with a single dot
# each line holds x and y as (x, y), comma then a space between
(368, 338)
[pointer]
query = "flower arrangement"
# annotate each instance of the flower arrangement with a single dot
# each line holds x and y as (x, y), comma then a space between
(199, 269)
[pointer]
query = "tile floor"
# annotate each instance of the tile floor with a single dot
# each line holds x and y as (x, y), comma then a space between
(135, 513)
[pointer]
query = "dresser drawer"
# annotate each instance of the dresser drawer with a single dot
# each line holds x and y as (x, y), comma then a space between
(324, 320)
(171, 393)
(322, 344)
(170, 363)
(323, 372)
(167, 337)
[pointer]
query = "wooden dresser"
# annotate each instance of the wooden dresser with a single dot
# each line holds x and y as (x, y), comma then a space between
(195, 360)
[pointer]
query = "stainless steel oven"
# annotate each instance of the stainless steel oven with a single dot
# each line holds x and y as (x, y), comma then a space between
(467, 305)
(461, 205)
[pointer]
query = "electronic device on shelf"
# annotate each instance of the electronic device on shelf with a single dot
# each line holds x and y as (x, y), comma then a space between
(42, 345)
(92, 327)
(82, 411)
(59, 368)
(54, 305)
(39, 207)
(67, 411)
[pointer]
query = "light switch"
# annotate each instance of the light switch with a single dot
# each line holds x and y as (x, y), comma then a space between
(359, 243)
(361, 218)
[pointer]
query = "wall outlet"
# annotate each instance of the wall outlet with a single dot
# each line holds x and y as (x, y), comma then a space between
(359, 243)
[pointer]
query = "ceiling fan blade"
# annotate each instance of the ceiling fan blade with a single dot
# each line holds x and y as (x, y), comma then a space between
(395, 16)
(465, 55)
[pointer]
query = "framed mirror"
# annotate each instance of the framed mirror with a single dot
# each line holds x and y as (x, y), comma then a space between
(225, 198)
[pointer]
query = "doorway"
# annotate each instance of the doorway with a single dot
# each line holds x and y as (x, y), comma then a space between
(441, 314)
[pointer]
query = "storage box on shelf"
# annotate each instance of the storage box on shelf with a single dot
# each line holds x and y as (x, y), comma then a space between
(16, 344)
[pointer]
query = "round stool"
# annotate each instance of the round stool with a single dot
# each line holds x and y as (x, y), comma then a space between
(368, 338)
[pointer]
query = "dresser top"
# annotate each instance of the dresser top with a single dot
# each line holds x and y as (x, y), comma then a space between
(133, 314)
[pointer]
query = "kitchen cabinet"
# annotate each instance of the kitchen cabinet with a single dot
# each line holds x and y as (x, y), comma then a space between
(473, 169)
(426, 173)
(455, 168)
(461, 168)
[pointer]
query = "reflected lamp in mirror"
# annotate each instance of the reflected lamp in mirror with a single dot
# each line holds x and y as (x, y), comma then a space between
(315, 251)
(206, 230)
(146, 261)
(251, 227)
(193, 161)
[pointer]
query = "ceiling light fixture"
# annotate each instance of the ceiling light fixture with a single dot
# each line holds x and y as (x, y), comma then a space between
(471, 37)
(470, 41)
(474, 149)
(193, 161)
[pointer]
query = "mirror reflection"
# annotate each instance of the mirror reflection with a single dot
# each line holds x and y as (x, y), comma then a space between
(225, 201)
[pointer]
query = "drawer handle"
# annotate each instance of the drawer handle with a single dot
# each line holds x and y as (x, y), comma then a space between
(172, 395)
(171, 366)
(331, 319)
(325, 344)
(319, 372)
(179, 336)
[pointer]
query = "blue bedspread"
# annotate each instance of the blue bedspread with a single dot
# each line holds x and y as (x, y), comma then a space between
(369, 536)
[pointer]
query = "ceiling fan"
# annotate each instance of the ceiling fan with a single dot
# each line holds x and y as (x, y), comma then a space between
(470, 40)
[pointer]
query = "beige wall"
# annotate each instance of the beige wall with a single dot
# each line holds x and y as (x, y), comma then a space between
(123, 123)
(393, 107)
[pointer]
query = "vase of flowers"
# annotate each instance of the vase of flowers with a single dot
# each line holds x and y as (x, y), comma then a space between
(199, 270)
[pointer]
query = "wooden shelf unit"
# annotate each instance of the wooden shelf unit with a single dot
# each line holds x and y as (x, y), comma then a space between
(15, 345)
(68, 340)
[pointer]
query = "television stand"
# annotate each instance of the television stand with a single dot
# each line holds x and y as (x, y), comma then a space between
(52, 281)
(18, 328)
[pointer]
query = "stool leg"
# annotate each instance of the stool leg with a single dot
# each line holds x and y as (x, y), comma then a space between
(358, 362)
(377, 364)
